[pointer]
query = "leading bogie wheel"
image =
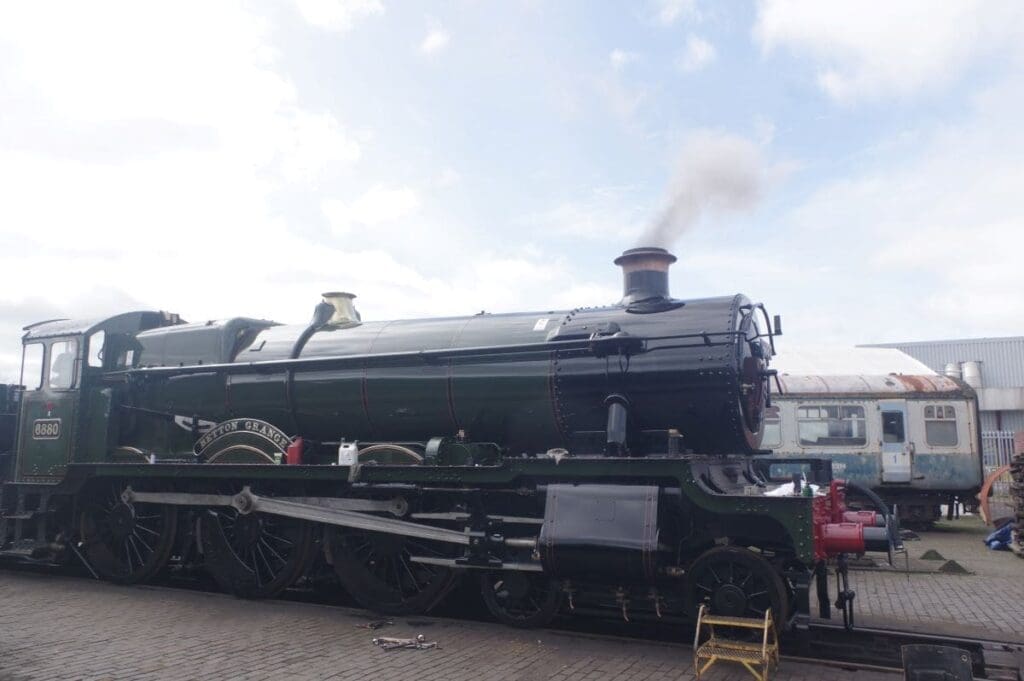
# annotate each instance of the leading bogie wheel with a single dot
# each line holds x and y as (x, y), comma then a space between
(521, 599)
(124, 542)
(737, 582)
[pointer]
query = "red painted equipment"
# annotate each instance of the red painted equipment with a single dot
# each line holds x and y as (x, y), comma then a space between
(293, 455)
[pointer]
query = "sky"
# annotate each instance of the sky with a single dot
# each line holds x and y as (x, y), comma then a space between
(857, 167)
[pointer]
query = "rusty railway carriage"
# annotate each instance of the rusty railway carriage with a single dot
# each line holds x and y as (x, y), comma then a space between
(914, 440)
(597, 457)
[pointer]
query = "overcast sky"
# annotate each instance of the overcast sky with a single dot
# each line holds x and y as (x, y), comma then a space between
(219, 159)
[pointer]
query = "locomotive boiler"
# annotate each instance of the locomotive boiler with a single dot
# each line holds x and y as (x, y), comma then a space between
(595, 457)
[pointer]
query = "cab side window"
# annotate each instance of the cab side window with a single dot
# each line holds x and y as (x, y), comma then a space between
(32, 367)
(62, 364)
(96, 342)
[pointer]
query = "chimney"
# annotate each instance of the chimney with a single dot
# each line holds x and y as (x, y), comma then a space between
(644, 274)
(344, 309)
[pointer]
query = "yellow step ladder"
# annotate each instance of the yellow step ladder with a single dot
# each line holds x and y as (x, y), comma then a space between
(758, 658)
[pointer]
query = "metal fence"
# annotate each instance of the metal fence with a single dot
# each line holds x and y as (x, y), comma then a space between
(997, 448)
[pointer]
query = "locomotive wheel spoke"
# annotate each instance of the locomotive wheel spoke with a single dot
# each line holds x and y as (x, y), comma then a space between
(255, 555)
(377, 570)
(520, 599)
(109, 530)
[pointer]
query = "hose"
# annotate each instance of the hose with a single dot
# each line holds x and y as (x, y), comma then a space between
(892, 521)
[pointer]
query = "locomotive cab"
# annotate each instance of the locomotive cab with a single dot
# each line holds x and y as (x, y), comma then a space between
(65, 411)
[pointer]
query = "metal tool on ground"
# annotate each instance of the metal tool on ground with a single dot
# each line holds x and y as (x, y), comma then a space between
(418, 643)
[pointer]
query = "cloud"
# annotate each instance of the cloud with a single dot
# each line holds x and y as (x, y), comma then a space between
(670, 11)
(620, 59)
(337, 15)
(448, 177)
(622, 100)
(377, 206)
(601, 214)
(931, 232)
(435, 41)
(697, 54)
(870, 51)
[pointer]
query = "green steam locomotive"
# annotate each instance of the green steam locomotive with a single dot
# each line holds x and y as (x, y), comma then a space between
(596, 456)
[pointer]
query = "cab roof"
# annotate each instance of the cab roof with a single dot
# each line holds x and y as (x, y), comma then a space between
(127, 322)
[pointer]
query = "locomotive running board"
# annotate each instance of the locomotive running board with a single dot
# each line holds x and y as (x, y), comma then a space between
(330, 513)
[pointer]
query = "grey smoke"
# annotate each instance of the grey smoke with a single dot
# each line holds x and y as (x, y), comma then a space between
(717, 172)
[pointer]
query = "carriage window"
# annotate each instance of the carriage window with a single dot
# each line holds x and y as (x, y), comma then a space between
(32, 367)
(836, 425)
(940, 425)
(62, 364)
(772, 428)
(892, 427)
(96, 349)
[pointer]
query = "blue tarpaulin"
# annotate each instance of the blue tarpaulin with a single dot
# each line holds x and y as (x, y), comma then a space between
(1000, 539)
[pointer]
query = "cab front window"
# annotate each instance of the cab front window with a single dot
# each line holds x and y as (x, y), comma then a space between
(32, 366)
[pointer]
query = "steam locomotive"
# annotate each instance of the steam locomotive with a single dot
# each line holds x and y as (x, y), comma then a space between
(595, 457)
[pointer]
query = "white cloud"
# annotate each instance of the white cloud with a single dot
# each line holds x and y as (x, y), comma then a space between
(621, 99)
(602, 214)
(435, 41)
(931, 234)
(448, 177)
(620, 59)
(377, 206)
(337, 15)
(899, 48)
(697, 54)
(670, 11)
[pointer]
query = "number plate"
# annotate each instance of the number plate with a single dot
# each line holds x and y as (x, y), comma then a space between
(46, 429)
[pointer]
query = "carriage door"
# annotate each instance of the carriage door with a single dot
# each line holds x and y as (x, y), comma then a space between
(897, 457)
(49, 409)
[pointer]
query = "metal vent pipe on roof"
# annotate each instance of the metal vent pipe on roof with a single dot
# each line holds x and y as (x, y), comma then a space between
(972, 373)
(953, 370)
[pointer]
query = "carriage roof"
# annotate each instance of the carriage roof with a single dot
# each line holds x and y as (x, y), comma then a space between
(882, 386)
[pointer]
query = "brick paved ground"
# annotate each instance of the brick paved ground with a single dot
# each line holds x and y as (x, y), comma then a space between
(72, 628)
(990, 601)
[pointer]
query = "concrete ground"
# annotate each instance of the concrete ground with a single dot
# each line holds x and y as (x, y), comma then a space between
(55, 627)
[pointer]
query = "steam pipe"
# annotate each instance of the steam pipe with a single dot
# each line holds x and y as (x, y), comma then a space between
(618, 410)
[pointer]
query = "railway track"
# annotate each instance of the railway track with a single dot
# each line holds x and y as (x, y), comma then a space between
(825, 643)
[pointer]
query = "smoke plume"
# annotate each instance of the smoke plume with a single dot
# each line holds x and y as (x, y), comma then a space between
(717, 172)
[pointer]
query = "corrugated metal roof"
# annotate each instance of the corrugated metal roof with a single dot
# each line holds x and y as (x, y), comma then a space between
(891, 384)
(1002, 359)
